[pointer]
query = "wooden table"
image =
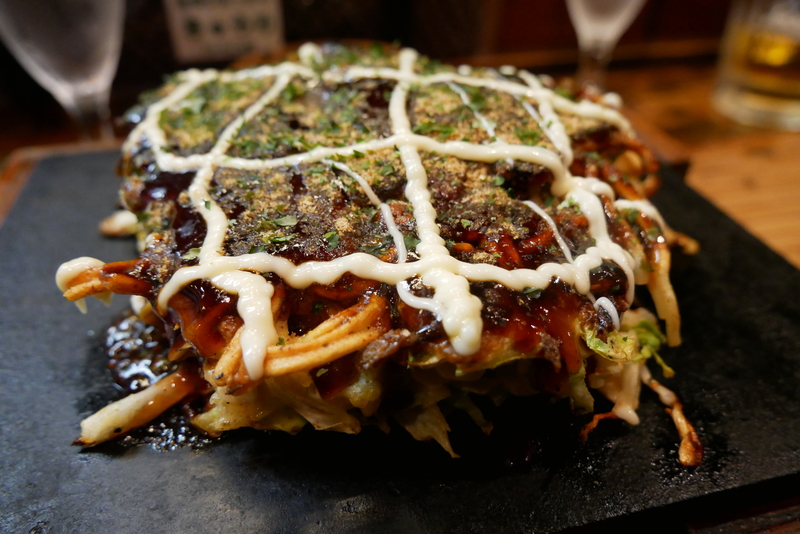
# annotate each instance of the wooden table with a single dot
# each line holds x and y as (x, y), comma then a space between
(752, 174)
(14, 171)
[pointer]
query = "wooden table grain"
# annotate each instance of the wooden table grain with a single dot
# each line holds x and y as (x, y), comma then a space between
(752, 174)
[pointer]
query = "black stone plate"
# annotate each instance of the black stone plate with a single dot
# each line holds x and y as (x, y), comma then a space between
(737, 375)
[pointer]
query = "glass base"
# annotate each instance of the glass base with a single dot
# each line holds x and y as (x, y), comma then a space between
(757, 109)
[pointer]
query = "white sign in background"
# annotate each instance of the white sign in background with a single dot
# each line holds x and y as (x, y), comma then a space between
(220, 30)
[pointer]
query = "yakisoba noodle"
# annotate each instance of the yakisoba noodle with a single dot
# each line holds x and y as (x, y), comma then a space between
(319, 234)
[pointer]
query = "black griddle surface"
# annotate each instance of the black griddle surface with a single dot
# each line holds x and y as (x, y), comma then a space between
(738, 373)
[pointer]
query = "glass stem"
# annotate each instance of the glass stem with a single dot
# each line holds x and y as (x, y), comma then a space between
(91, 113)
(592, 64)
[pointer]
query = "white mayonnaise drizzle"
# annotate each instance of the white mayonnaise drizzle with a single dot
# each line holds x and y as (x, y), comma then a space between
(255, 309)
(605, 248)
(623, 390)
(508, 70)
(486, 123)
(120, 223)
(458, 309)
(310, 54)
(138, 304)
(665, 395)
(548, 119)
(608, 306)
(559, 239)
(69, 270)
(386, 211)
(452, 302)
(613, 100)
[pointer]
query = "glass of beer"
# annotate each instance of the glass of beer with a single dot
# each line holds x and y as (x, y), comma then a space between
(759, 69)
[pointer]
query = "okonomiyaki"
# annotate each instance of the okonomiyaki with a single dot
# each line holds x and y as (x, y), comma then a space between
(362, 234)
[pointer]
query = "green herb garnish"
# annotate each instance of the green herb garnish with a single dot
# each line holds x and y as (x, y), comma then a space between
(291, 92)
(532, 292)
(247, 145)
(332, 239)
(376, 51)
(411, 240)
(528, 137)
(289, 220)
(277, 238)
(379, 250)
(477, 101)
(653, 233)
(425, 128)
(192, 254)
(568, 203)
(193, 105)
(560, 91)
(430, 66)
(631, 215)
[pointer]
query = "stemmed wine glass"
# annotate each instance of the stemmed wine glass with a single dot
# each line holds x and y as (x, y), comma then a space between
(71, 48)
(599, 25)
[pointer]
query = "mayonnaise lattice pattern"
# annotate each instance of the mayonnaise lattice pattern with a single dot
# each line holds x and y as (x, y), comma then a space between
(452, 301)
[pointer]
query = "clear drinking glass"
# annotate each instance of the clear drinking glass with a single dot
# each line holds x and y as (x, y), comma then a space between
(759, 67)
(71, 47)
(599, 24)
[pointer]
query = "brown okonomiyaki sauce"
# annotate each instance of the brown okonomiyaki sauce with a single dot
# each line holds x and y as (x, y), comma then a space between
(203, 316)
(137, 357)
(138, 353)
(206, 317)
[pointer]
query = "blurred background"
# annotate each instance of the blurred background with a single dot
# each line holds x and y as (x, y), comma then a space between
(159, 39)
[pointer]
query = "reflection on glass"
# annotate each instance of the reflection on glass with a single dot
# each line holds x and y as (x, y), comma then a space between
(599, 25)
(71, 47)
